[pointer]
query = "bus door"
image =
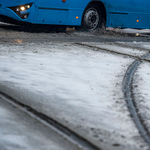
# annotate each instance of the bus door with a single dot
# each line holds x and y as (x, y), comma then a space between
(129, 13)
(52, 11)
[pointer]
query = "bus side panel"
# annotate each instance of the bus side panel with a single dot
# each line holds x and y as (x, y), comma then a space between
(53, 3)
(58, 12)
(128, 13)
(52, 16)
(52, 11)
(8, 3)
(129, 20)
(74, 17)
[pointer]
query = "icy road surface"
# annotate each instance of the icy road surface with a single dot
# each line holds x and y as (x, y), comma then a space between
(78, 87)
(18, 131)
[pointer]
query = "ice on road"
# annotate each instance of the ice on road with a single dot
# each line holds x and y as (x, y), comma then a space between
(21, 132)
(78, 87)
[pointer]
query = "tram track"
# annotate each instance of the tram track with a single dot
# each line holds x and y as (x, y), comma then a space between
(129, 46)
(96, 48)
(61, 130)
(128, 94)
(129, 97)
(127, 86)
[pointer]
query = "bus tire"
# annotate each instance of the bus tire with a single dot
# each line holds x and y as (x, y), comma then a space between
(92, 18)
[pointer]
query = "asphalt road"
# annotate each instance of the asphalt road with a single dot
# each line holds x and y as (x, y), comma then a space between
(35, 34)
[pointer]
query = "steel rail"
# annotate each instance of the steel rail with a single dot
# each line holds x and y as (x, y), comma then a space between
(63, 131)
(127, 89)
(70, 135)
(96, 48)
(129, 97)
(130, 46)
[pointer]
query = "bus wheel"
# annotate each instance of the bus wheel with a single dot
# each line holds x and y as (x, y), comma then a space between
(92, 18)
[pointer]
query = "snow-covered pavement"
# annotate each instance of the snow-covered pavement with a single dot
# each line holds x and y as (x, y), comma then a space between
(78, 87)
(19, 131)
(119, 48)
(141, 92)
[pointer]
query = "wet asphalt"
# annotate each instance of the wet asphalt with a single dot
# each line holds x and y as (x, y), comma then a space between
(39, 34)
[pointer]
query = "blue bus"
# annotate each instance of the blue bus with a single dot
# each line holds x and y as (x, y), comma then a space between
(90, 14)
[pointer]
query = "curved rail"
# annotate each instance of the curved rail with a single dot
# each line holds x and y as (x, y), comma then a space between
(63, 131)
(127, 86)
(129, 97)
(95, 48)
(128, 94)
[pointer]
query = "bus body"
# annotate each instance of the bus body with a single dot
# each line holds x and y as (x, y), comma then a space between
(124, 14)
